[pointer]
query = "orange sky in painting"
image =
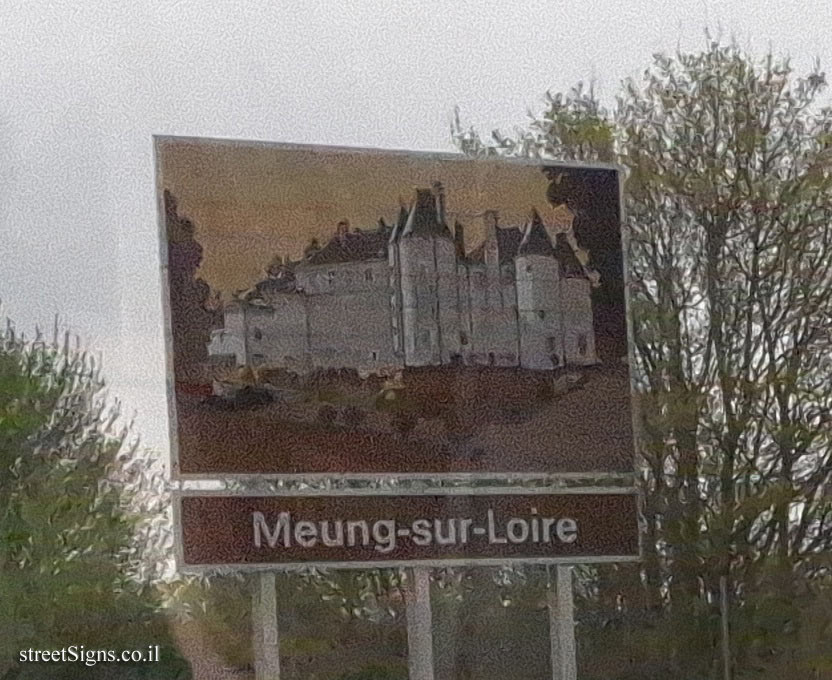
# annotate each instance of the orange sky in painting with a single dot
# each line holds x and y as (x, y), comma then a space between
(250, 201)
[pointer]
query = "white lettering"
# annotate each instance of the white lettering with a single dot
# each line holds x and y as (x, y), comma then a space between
(450, 537)
(421, 532)
(306, 534)
(567, 530)
(261, 528)
(535, 526)
(464, 526)
(352, 527)
(512, 529)
(492, 534)
(384, 534)
(329, 541)
(548, 523)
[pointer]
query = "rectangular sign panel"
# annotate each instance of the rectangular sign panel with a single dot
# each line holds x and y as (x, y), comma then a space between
(388, 530)
(338, 311)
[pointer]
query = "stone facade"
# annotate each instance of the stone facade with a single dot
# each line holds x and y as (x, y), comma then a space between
(409, 294)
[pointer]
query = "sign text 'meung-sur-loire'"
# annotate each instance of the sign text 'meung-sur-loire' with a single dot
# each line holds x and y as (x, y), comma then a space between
(383, 534)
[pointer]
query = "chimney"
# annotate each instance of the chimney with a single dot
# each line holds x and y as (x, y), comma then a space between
(459, 240)
(439, 193)
(489, 220)
(312, 248)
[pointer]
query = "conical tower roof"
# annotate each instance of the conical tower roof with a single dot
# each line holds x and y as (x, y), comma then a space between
(536, 239)
(423, 219)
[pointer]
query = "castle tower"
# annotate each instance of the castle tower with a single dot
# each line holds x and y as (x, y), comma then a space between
(426, 262)
(576, 305)
(538, 298)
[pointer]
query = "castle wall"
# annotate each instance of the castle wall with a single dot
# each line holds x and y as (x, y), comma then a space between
(493, 311)
(541, 324)
(348, 321)
(448, 300)
(277, 335)
(230, 339)
(351, 330)
(342, 277)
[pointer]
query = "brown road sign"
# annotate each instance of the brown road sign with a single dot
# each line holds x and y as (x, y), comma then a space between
(411, 529)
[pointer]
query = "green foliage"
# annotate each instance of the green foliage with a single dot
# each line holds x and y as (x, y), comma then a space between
(574, 127)
(66, 536)
(220, 609)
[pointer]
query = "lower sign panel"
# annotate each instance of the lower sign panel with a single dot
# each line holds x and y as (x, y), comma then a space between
(401, 530)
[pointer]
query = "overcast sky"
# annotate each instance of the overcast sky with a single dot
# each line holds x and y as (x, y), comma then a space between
(84, 84)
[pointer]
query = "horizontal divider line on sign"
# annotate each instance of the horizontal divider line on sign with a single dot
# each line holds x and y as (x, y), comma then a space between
(453, 491)
(403, 564)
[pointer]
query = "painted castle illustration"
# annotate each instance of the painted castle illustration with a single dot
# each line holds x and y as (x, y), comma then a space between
(409, 295)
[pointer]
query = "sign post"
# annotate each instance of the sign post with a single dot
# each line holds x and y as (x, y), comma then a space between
(419, 625)
(562, 626)
(266, 641)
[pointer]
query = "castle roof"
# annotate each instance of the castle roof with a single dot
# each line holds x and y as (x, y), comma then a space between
(532, 239)
(281, 279)
(398, 228)
(353, 246)
(536, 240)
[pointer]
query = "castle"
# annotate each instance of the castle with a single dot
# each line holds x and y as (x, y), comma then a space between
(408, 294)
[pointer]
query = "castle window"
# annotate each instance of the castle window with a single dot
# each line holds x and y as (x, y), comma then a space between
(528, 269)
(368, 275)
(582, 344)
(374, 355)
(258, 334)
(330, 277)
(541, 314)
(463, 338)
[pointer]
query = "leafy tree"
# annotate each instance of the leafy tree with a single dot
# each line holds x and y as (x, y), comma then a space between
(67, 549)
(729, 222)
(193, 310)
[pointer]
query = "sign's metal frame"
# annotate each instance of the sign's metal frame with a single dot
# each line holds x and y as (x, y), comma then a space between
(438, 563)
(437, 477)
